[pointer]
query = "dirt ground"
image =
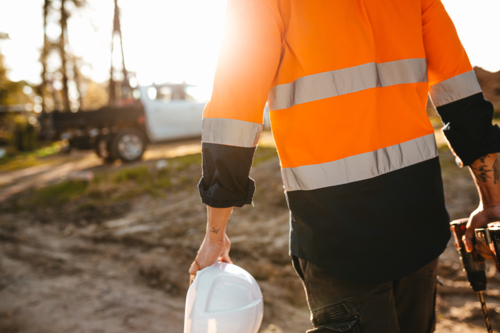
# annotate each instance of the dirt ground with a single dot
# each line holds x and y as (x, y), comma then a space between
(91, 264)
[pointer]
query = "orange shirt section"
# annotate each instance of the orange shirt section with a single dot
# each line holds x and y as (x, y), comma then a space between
(248, 62)
(445, 54)
(334, 128)
(323, 35)
(272, 42)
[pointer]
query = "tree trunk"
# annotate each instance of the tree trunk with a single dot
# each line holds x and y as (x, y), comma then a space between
(112, 85)
(43, 59)
(62, 48)
(77, 77)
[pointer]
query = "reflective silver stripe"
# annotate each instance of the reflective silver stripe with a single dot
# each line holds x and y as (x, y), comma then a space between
(348, 80)
(231, 132)
(360, 167)
(455, 88)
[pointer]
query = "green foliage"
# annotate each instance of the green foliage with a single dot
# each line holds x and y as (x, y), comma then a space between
(10, 92)
(14, 160)
(25, 136)
(15, 131)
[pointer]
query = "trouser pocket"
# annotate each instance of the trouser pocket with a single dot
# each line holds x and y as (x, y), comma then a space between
(349, 325)
(339, 317)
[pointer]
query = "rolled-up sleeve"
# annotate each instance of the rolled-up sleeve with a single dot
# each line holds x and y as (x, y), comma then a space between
(454, 89)
(232, 119)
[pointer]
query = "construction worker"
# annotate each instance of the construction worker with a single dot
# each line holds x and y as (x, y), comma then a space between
(347, 84)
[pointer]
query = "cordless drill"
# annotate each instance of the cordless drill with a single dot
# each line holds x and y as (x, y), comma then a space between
(491, 237)
(473, 264)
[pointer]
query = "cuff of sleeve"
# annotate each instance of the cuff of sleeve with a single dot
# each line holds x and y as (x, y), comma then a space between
(466, 151)
(218, 197)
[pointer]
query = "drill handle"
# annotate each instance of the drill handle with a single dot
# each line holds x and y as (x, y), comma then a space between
(458, 229)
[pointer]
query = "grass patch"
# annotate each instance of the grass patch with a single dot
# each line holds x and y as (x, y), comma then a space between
(60, 193)
(18, 162)
(123, 184)
(23, 160)
(110, 194)
(140, 174)
(183, 162)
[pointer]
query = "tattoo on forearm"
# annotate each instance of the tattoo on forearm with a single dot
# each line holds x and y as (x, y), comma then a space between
(483, 158)
(482, 173)
(215, 231)
(496, 172)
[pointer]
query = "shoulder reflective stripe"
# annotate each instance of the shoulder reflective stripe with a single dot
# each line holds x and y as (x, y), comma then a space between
(360, 167)
(231, 132)
(455, 88)
(348, 80)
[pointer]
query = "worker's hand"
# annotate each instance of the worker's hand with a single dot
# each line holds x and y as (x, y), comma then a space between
(480, 219)
(211, 251)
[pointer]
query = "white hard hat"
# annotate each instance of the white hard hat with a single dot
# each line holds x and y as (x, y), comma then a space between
(223, 298)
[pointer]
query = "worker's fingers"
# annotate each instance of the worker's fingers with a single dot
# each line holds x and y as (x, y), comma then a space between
(191, 279)
(225, 258)
(478, 219)
(469, 245)
(468, 237)
(194, 268)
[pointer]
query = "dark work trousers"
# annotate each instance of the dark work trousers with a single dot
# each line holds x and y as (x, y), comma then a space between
(402, 306)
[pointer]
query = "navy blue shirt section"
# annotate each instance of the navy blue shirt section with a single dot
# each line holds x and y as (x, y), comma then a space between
(225, 182)
(468, 128)
(375, 230)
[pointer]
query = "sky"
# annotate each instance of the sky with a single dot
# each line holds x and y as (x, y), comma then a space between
(179, 40)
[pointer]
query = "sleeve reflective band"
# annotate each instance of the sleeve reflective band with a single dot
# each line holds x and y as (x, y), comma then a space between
(231, 132)
(455, 88)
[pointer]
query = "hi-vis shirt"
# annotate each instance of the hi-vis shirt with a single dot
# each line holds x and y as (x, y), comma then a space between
(347, 85)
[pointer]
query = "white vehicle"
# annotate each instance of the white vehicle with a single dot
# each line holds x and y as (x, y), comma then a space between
(171, 112)
(156, 113)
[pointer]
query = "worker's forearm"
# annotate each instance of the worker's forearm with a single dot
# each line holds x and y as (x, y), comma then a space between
(486, 174)
(217, 222)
